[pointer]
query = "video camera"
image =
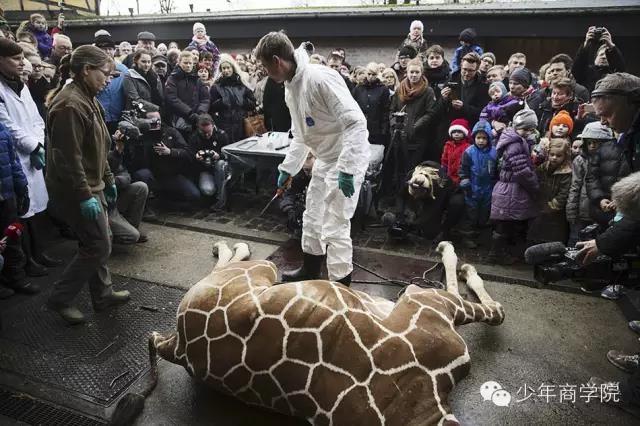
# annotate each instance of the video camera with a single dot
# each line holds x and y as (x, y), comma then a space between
(397, 120)
(134, 122)
(554, 262)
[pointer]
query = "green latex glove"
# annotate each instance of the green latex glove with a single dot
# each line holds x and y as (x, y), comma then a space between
(90, 209)
(345, 183)
(111, 193)
(282, 179)
(37, 159)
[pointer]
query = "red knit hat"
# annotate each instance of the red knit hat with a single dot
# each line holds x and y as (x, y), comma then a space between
(562, 117)
(461, 125)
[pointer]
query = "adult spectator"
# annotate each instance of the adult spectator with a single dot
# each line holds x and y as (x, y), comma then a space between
(468, 43)
(596, 57)
(559, 68)
(415, 98)
(20, 115)
(437, 69)
(206, 144)
(390, 79)
(277, 117)
(335, 62)
(231, 99)
(124, 49)
(61, 46)
(562, 99)
(373, 98)
(161, 68)
(185, 95)
(520, 83)
(142, 85)
(516, 61)
(81, 183)
(162, 49)
(487, 60)
(495, 73)
(146, 41)
(405, 54)
(112, 98)
(416, 40)
(39, 86)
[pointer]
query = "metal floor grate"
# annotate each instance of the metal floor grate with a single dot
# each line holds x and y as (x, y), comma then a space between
(34, 412)
(97, 361)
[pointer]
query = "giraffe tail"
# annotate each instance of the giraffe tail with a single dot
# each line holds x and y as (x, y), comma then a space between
(131, 405)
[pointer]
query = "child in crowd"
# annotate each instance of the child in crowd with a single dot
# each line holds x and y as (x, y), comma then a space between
(477, 173)
(560, 127)
(554, 176)
(513, 196)
(202, 42)
(593, 135)
(468, 44)
(500, 111)
(38, 27)
(455, 147)
(576, 148)
(204, 74)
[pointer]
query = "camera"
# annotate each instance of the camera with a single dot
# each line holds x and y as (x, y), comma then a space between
(397, 120)
(134, 122)
(208, 156)
(554, 262)
(597, 33)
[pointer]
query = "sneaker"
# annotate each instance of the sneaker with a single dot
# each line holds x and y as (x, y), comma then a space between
(626, 363)
(115, 298)
(71, 314)
(613, 292)
(635, 326)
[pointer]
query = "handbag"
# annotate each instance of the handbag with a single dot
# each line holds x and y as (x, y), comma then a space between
(254, 125)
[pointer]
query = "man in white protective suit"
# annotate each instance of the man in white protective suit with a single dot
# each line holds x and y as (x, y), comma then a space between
(327, 121)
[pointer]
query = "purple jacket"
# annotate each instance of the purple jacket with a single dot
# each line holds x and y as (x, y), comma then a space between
(45, 41)
(502, 111)
(513, 197)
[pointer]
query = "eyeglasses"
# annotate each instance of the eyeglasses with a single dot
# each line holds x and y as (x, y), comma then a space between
(160, 65)
(38, 67)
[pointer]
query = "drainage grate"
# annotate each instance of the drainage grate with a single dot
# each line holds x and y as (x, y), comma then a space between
(34, 412)
(97, 361)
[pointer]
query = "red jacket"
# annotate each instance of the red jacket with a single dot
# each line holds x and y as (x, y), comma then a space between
(452, 156)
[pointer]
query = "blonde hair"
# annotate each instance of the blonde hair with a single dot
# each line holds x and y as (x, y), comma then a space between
(395, 77)
(35, 16)
(226, 58)
(562, 144)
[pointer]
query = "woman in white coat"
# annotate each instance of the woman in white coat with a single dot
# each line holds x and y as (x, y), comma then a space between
(19, 114)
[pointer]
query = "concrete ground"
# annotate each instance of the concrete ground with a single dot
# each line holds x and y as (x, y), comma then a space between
(548, 337)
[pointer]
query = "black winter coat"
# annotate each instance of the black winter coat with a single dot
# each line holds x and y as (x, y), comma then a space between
(587, 73)
(185, 94)
(179, 161)
(474, 95)
(545, 113)
(197, 142)
(277, 117)
(622, 237)
(419, 112)
(137, 89)
(438, 76)
(230, 102)
(606, 167)
(374, 101)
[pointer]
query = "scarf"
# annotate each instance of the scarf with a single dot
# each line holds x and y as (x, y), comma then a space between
(418, 40)
(15, 84)
(152, 79)
(407, 93)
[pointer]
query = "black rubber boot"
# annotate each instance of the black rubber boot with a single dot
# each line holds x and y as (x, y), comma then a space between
(346, 280)
(310, 269)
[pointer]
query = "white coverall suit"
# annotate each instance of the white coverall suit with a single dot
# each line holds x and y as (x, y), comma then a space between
(327, 121)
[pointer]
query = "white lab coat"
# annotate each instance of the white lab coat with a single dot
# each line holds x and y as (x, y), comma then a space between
(20, 115)
(327, 121)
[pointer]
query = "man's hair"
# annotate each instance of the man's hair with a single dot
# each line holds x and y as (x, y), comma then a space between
(517, 55)
(276, 43)
(205, 55)
(565, 83)
(619, 81)
(543, 70)
(185, 54)
(496, 68)
(472, 58)
(59, 37)
(626, 194)
(435, 49)
(564, 58)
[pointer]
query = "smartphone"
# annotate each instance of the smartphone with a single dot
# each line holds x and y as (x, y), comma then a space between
(455, 90)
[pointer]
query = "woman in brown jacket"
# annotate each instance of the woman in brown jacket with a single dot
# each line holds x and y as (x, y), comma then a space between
(80, 182)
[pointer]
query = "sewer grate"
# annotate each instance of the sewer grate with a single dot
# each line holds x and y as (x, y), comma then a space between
(35, 412)
(97, 361)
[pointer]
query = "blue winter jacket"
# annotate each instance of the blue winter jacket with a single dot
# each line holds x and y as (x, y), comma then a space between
(112, 97)
(478, 168)
(12, 179)
(457, 56)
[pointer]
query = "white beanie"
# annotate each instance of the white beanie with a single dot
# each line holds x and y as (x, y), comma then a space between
(416, 24)
(197, 26)
(101, 32)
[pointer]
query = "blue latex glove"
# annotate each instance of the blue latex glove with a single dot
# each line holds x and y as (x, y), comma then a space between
(90, 209)
(345, 184)
(37, 159)
(282, 179)
(111, 193)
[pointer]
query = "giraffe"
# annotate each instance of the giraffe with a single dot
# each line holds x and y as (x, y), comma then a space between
(325, 352)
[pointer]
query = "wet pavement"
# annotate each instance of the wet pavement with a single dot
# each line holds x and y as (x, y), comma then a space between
(549, 338)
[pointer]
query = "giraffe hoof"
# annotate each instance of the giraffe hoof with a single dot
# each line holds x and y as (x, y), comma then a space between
(442, 246)
(216, 247)
(467, 271)
(242, 250)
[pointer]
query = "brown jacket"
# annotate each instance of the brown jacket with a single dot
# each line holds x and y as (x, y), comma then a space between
(79, 142)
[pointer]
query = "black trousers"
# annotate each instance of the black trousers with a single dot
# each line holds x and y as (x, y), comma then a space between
(14, 259)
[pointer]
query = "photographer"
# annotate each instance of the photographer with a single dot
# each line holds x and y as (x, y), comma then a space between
(206, 144)
(596, 57)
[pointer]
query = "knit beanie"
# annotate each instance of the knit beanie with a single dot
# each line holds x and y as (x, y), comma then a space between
(459, 124)
(521, 76)
(409, 51)
(199, 26)
(525, 119)
(468, 35)
(562, 117)
(490, 56)
(500, 86)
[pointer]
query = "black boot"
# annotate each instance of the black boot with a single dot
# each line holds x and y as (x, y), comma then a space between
(498, 253)
(34, 269)
(48, 261)
(310, 269)
(346, 280)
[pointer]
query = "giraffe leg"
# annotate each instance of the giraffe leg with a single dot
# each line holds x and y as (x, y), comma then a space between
(450, 262)
(241, 252)
(488, 310)
(221, 249)
(475, 283)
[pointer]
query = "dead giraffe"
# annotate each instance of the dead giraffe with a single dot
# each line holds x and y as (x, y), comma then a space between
(322, 351)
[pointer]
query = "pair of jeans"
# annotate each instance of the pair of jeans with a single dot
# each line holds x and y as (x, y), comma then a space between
(213, 182)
